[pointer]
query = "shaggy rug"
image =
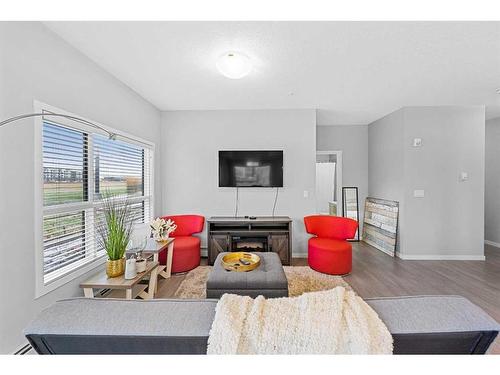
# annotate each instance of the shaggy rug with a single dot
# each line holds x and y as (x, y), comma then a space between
(300, 280)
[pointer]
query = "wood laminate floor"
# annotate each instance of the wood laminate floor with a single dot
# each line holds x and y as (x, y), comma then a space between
(376, 274)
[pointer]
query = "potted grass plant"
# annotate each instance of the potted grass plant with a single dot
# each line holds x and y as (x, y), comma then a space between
(114, 233)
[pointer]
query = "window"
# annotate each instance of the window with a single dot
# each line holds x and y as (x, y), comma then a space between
(80, 166)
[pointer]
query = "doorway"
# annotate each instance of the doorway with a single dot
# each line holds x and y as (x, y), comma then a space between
(329, 183)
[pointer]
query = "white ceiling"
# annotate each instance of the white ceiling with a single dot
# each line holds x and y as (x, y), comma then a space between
(352, 72)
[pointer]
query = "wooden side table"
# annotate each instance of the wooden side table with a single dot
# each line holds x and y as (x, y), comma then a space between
(154, 248)
(132, 287)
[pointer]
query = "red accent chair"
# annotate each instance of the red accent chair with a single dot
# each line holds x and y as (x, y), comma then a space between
(328, 251)
(186, 246)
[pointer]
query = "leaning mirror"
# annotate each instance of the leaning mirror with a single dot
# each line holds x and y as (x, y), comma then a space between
(350, 207)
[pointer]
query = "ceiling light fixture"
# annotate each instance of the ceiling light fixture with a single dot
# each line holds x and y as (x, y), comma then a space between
(234, 65)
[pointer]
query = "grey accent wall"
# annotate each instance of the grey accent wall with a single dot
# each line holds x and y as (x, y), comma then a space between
(353, 142)
(492, 179)
(449, 220)
(191, 141)
(385, 162)
(36, 64)
(385, 157)
(448, 223)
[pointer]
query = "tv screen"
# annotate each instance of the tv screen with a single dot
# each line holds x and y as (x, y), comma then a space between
(250, 168)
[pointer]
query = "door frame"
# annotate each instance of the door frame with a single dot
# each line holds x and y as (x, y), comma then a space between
(338, 178)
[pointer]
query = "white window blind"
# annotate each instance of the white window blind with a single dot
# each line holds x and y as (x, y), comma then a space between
(79, 168)
(65, 157)
(65, 244)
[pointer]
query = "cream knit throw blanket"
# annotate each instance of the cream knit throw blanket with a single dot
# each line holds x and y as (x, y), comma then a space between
(334, 321)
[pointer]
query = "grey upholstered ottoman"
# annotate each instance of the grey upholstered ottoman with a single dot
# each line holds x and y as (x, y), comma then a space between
(268, 280)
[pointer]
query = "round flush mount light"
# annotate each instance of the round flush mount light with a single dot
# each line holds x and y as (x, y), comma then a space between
(234, 65)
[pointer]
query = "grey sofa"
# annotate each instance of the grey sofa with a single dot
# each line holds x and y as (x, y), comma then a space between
(419, 325)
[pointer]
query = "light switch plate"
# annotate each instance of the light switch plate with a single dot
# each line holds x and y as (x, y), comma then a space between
(306, 194)
(464, 176)
(418, 193)
(417, 142)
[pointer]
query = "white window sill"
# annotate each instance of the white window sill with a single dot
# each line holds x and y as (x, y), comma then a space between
(43, 289)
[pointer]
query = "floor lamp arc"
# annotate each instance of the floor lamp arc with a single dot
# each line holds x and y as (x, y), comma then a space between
(111, 135)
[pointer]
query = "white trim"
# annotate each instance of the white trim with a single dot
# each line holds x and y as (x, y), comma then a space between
(65, 207)
(441, 257)
(43, 288)
(40, 107)
(338, 178)
(152, 159)
(492, 243)
(40, 288)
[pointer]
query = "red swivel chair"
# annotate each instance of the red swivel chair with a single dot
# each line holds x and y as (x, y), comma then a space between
(186, 246)
(329, 252)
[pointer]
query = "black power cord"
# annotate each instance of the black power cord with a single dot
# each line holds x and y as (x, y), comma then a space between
(237, 202)
(275, 200)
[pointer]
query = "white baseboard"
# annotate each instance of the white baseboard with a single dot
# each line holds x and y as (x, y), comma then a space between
(409, 257)
(441, 257)
(491, 243)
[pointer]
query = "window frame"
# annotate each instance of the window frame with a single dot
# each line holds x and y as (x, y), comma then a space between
(42, 288)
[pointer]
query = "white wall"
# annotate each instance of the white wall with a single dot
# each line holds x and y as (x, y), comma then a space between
(448, 223)
(492, 179)
(36, 64)
(353, 142)
(191, 141)
(325, 186)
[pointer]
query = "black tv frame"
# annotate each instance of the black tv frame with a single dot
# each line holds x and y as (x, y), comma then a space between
(255, 187)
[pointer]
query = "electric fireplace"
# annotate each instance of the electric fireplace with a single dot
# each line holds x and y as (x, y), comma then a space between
(249, 243)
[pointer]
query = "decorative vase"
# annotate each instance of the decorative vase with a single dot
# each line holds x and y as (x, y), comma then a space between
(115, 268)
(130, 269)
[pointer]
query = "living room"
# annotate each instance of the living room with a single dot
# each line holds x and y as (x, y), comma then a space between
(208, 137)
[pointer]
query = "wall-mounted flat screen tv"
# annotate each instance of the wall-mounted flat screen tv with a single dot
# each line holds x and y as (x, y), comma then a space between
(250, 168)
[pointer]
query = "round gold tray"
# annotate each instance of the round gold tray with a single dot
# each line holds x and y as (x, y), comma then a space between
(240, 261)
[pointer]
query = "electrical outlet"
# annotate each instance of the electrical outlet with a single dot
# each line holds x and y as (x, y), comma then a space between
(417, 142)
(306, 194)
